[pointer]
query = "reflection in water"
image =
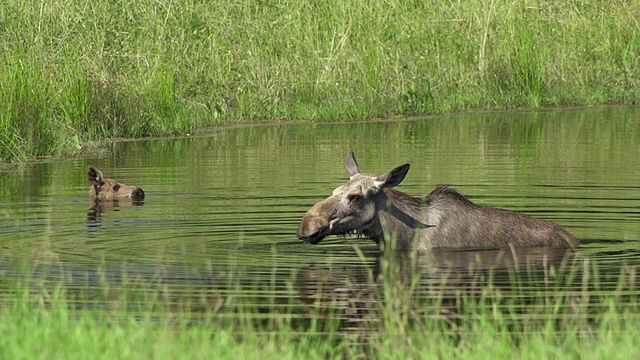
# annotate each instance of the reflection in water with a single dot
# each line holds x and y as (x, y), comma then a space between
(100, 206)
(450, 277)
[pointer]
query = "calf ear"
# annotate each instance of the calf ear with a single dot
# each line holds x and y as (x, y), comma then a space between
(94, 175)
(352, 165)
(392, 178)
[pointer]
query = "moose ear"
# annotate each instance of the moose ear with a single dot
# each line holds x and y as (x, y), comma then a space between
(94, 175)
(392, 178)
(352, 165)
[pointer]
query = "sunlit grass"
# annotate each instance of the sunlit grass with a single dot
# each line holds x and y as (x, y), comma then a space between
(74, 72)
(579, 314)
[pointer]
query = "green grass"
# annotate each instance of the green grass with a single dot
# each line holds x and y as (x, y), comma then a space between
(73, 72)
(57, 334)
(582, 314)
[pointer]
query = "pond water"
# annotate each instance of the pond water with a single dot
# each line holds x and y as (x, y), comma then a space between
(222, 210)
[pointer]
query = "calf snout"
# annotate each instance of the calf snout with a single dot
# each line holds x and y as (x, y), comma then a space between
(137, 194)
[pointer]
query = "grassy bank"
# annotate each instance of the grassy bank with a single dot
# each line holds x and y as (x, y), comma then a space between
(56, 334)
(579, 314)
(72, 72)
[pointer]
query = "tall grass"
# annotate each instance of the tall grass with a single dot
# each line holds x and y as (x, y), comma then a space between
(73, 72)
(579, 314)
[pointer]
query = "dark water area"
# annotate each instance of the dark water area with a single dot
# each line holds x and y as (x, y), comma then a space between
(221, 211)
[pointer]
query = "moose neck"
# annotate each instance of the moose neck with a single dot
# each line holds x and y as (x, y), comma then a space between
(398, 218)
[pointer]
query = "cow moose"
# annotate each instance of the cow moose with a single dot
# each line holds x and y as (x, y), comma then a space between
(369, 205)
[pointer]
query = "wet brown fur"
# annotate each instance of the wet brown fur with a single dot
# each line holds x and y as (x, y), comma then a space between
(442, 219)
(102, 188)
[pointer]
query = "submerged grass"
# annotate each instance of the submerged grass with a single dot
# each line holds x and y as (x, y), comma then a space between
(579, 314)
(72, 72)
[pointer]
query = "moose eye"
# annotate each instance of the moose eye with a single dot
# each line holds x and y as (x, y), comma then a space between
(354, 197)
(116, 187)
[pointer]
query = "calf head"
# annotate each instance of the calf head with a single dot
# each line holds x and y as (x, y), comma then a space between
(351, 207)
(110, 189)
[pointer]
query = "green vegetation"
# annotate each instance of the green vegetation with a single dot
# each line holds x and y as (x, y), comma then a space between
(74, 72)
(580, 313)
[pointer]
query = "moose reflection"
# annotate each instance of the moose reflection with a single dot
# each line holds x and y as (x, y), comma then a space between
(368, 205)
(441, 285)
(99, 207)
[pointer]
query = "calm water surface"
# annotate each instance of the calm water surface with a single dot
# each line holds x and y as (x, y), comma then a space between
(225, 208)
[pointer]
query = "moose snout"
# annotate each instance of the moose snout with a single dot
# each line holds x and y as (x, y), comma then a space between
(305, 235)
(314, 226)
(308, 229)
(137, 194)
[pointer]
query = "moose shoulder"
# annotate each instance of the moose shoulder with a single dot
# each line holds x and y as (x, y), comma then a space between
(368, 205)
